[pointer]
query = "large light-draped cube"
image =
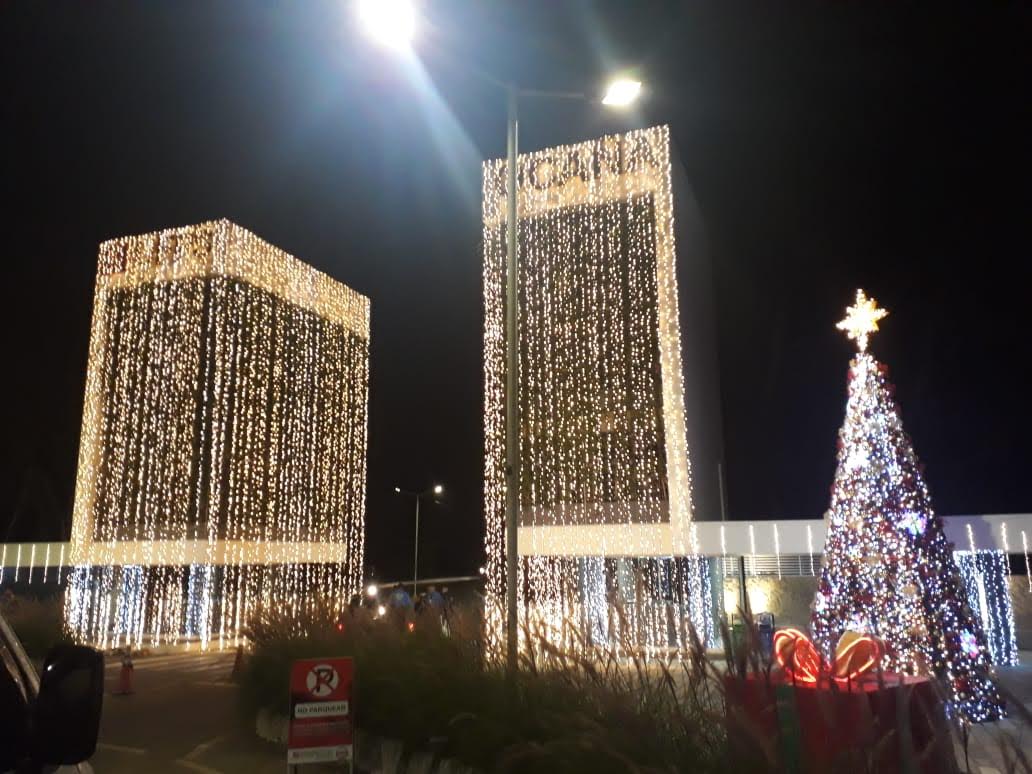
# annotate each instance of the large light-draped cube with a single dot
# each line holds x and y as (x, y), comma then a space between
(608, 439)
(222, 459)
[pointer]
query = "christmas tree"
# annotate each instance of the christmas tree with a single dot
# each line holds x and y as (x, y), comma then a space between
(889, 570)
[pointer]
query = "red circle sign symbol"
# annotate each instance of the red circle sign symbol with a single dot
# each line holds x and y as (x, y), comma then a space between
(322, 680)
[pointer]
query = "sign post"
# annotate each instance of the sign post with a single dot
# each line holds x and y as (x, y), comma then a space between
(321, 729)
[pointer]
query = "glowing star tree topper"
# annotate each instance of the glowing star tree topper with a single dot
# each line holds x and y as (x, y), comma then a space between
(862, 319)
(889, 570)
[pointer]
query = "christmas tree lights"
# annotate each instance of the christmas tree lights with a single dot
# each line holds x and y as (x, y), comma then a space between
(889, 570)
(605, 490)
(222, 457)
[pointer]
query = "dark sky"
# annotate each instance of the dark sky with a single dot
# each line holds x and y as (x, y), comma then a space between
(830, 145)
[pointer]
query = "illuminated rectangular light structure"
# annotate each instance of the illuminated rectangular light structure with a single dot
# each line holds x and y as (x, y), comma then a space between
(612, 325)
(223, 451)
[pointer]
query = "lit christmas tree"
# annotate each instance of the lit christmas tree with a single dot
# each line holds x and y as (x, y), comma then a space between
(889, 570)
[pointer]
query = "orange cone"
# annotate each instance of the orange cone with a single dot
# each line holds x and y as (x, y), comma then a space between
(125, 676)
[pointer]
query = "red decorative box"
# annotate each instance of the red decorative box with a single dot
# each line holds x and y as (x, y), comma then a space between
(897, 724)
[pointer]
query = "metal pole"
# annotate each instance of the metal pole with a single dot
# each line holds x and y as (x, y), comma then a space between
(743, 596)
(415, 567)
(512, 406)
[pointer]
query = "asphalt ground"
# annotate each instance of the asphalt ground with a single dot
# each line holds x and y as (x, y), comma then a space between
(182, 716)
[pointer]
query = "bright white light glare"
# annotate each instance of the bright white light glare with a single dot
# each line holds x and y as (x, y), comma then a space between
(381, 610)
(372, 590)
(390, 22)
(621, 92)
(438, 489)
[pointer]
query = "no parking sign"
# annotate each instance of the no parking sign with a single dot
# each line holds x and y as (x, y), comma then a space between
(320, 711)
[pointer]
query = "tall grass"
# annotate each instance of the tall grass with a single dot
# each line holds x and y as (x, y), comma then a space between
(564, 710)
(575, 708)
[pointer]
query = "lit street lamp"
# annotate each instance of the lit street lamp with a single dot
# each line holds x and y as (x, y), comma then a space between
(391, 23)
(623, 96)
(435, 491)
(396, 19)
(621, 92)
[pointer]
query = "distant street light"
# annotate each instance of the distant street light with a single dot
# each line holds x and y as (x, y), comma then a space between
(391, 23)
(436, 490)
(372, 590)
(621, 93)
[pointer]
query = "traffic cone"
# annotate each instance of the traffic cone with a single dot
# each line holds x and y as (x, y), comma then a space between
(125, 676)
(238, 663)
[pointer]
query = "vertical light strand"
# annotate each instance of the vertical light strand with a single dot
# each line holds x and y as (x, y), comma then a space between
(1028, 566)
(752, 549)
(809, 548)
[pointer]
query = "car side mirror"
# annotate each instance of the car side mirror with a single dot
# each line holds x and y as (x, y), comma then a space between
(66, 715)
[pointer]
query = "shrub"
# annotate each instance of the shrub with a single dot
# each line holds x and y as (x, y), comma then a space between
(576, 708)
(560, 712)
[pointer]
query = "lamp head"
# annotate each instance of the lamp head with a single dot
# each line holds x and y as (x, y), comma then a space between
(621, 92)
(391, 23)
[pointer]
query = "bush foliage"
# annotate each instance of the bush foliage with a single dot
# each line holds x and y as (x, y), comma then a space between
(451, 694)
(578, 708)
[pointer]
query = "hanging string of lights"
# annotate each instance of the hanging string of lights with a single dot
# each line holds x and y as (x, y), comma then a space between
(986, 573)
(606, 479)
(222, 457)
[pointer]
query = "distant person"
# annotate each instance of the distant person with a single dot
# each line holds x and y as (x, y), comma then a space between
(435, 599)
(399, 598)
(399, 605)
(447, 608)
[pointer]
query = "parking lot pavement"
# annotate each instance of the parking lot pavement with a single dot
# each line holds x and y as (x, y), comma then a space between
(182, 716)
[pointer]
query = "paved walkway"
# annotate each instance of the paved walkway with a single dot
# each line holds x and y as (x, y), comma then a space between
(992, 744)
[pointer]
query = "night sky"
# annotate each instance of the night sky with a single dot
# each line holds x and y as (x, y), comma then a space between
(830, 145)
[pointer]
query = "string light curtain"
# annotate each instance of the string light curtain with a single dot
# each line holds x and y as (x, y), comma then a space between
(223, 451)
(888, 569)
(986, 575)
(606, 501)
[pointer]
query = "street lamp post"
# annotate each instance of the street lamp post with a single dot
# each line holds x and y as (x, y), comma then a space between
(436, 490)
(393, 22)
(621, 92)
